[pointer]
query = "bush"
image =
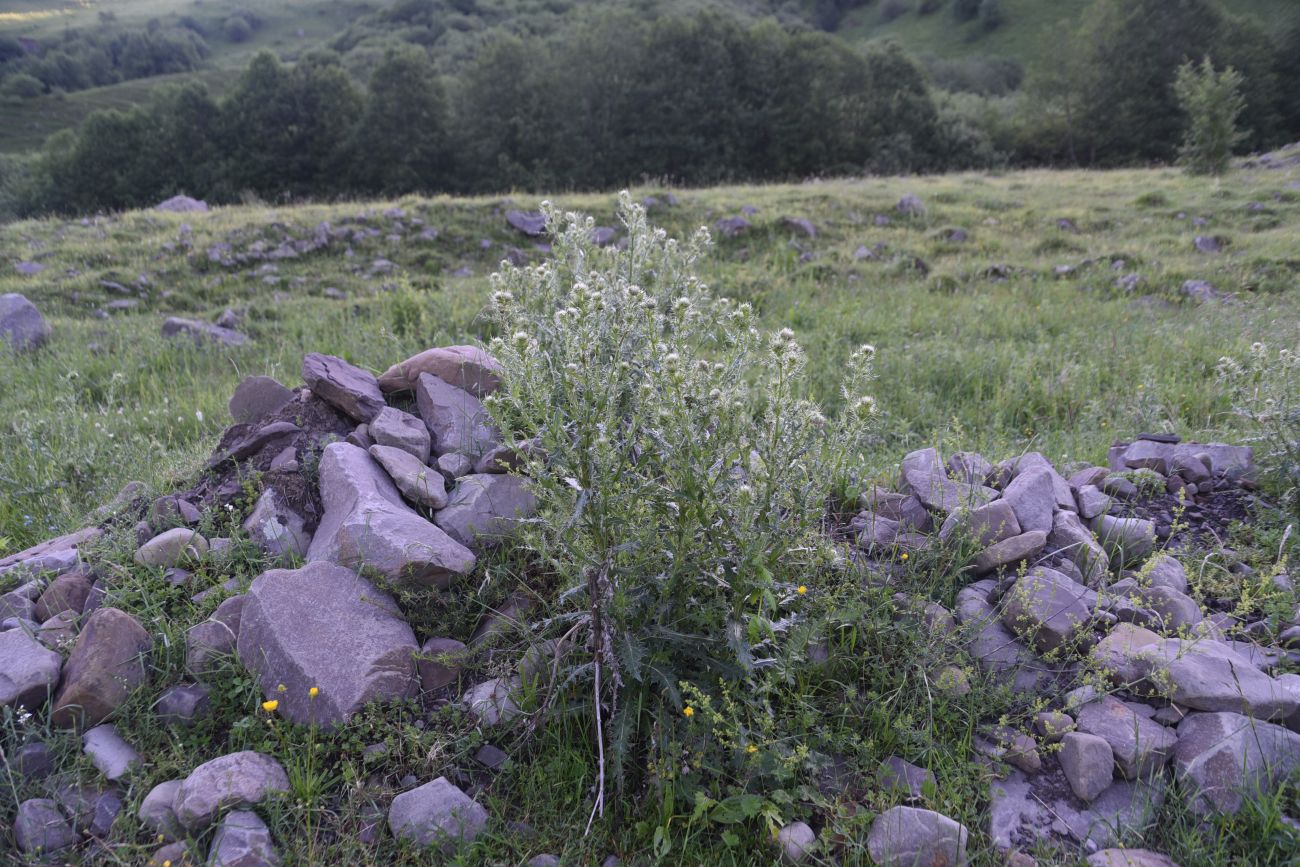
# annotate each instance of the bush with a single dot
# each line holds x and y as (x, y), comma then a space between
(22, 86)
(237, 29)
(1212, 102)
(892, 9)
(682, 488)
(1264, 389)
(965, 10)
(991, 16)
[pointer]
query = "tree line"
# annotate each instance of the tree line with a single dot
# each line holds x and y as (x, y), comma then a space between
(619, 99)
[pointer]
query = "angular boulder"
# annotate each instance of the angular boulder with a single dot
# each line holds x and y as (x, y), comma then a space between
(1031, 497)
(22, 327)
(1228, 757)
(1141, 746)
(910, 837)
(1072, 539)
(1009, 551)
(418, 482)
(176, 327)
(1128, 540)
(256, 397)
(1047, 608)
(104, 668)
(486, 508)
(277, 529)
(1088, 763)
(235, 780)
(455, 418)
(242, 840)
(366, 525)
(988, 524)
(324, 626)
(436, 813)
(39, 828)
(347, 388)
(29, 671)
(401, 430)
(465, 367)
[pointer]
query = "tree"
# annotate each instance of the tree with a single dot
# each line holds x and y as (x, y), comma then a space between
(1212, 101)
(991, 15)
(401, 143)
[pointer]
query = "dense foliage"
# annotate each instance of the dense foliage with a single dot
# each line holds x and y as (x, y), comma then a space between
(608, 99)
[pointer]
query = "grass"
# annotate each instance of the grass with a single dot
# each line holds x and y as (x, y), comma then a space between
(967, 358)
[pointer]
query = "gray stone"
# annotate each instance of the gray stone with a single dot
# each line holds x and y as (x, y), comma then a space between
(171, 548)
(439, 663)
(1128, 540)
(34, 760)
(797, 841)
(531, 223)
(455, 418)
(506, 458)
(207, 644)
(909, 836)
(543, 860)
(401, 430)
(899, 777)
(360, 437)
(242, 840)
(17, 606)
(112, 755)
(1176, 610)
(1009, 551)
(182, 205)
(995, 648)
(183, 704)
(1009, 470)
(437, 812)
(39, 827)
(1228, 757)
(910, 205)
(1073, 541)
(988, 524)
(156, 811)
(465, 367)
(877, 531)
(52, 555)
(419, 483)
(257, 397)
(486, 508)
(1089, 764)
(1026, 810)
(454, 465)
(1092, 502)
(104, 668)
(1141, 747)
(324, 626)
(235, 780)
(1032, 498)
(176, 327)
(29, 672)
(1208, 675)
(22, 327)
(1168, 572)
(347, 388)
(492, 702)
(367, 525)
(1047, 608)
(67, 592)
(277, 529)
(969, 467)
(1052, 725)
(923, 474)
(1129, 858)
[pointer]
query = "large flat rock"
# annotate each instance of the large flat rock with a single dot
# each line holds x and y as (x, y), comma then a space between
(466, 367)
(456, 419)
(367, 525)
(486, 508)
(324, 626)
(1228, 757)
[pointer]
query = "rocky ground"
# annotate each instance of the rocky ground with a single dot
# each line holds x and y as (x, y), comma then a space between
(1077, 591)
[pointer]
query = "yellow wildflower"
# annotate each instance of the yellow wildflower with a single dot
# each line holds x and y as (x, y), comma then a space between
(270, 706)
(751, 749)
(313, 692)
(904, 557)
(688, 711)
(281, 688)
(802, 590)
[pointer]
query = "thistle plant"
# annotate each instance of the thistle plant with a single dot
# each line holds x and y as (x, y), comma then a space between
(682, 476)
(1264, 388)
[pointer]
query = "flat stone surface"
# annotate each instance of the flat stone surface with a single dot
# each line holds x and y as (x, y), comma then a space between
(485, 508)
(172, 548)
(1129, 858)
(40, 827)
(1088, 763)
(1128, 540)
(419, 483)
(347, 388)
(324, 626)
(1168, 572)
(1009, 552)
(156, 811)
(177, 327)
(67, 592)
(53, 555)
(29, 671)
(1011, 469)
(401, 430)
(1032, 499)
(492, 702)
(988, 524)
(436, 813)
(242, 840)
(104, 668)
(257, 397)
(996, 649)
(112, 755)
(438, 665)
(909, 836)
(234, 780)
(1025, 811)
(1071, 538)
(1046, 608)
(183, 704)
(897, 776)
(465, 367)
(367, 525)
(455, 418)
(1141, 746)
(1228, 757)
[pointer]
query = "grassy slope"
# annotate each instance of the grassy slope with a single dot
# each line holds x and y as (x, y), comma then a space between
(1060, 365)
(1031, 30)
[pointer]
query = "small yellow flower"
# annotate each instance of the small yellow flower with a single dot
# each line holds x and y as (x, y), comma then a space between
(904, 557)
(270, 706)
(313, 692)
(167, 863)
(281, 688)
(802, 590)
(162, 838)
(751, 749)
(688, 711)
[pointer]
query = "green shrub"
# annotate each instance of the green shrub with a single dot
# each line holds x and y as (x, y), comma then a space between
(683, 488)
(1213, 102)
(1265, 391)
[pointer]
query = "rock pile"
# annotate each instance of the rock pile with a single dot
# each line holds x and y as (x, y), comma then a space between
(380, 509)
(1077, 575)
